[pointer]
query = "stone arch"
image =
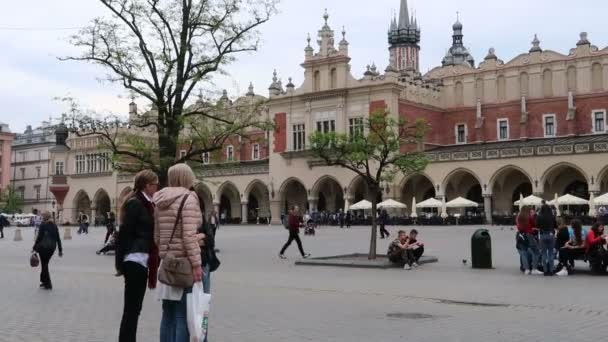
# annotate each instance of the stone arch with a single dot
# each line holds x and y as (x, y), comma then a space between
(560, 179)
(359, 190)
(229, 199)
(602, 180)
(258, 201)
(419, 186)
(102, 205)
(506, 185)
(205, 198)
(81, 203)
(462, 182)
(328, 195)
(293, 192)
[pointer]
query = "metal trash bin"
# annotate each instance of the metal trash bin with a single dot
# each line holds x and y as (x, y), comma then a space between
(481, 249)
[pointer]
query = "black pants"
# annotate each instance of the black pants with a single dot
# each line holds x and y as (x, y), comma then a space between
(136, 279)
(1, 232)
(383, 231)
(107, 248)
(45, 277)
(415, 254)
(568, 255)
(109, 231)
(598, 259)
(293, 236)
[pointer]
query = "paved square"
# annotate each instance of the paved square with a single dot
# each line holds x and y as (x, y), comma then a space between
(258, 297)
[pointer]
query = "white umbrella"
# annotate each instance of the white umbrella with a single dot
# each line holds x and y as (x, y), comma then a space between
(430, 203)
(568, 200)
(444, 209)
(556, 203)
(592, 211)
(460, 202)
(414, 214)
(391, 204)
(601, 200)
(520, 203)
(530, 200)
(361, 205)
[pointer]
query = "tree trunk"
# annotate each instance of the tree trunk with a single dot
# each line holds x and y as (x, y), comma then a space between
(372, 241)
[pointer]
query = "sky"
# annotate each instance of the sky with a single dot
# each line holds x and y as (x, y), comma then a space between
(34, 33)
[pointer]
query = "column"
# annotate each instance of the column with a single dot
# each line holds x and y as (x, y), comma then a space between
(346, 203)
(244, 212)
(312, 204)
(487, 205)
(275, 212)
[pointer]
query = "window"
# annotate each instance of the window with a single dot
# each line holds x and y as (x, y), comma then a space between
(503, 129)
(549, 125)
(355, 127)
(93, 163)
(39, 155)
(299, 137)
(326, 126)
(59, 168)
(230, 153)
(599, 121)
(205, 158)
(317, 81)
(255, 152)
(461, 134)
(37, 192)
(22, 171)
(38, 172)
(21, 192)
(182, 153)
(22, 156)
(333, 78)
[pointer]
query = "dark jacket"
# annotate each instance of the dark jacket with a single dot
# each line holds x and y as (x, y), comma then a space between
(294, 223)
(49, 233)
(136, 232)
(545, 221)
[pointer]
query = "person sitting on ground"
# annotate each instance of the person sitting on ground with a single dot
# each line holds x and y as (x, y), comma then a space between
(398, 251)
(110, 245)
(415, 248)
(575, 248)
(596, 250)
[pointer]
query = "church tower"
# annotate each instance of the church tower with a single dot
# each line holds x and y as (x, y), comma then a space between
(404, 39)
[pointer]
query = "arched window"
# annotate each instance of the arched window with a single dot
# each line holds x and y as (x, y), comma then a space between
(571, 76)
(524, 83)
(317, 81)
(548, 83)
(597, 77)
(458, 94)
(333, 77)
(479, 89)
(501, 88)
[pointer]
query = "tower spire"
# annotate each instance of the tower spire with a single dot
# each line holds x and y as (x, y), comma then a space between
(404, 17)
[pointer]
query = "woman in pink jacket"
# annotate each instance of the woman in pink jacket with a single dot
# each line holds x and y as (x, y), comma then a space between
(185, 244)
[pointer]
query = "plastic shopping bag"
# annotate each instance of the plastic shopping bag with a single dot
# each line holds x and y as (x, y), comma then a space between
(198, 303)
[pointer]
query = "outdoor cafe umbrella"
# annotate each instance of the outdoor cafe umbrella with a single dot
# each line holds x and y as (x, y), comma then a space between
(444, 209)
(430, 203)
(391, 204)
(568, 200)
(414, 215)
(460, 202)
(601, 200)
(361, 205)
(530, 200)
(556, 203)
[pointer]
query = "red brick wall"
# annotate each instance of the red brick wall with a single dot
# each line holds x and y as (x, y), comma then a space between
(280, 132)
(376, 105)
(246, 146)
(411, 112)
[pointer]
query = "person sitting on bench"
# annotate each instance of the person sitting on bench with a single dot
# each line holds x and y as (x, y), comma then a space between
(398, 252)
(596, 250)
(575, 248)
(415, 248)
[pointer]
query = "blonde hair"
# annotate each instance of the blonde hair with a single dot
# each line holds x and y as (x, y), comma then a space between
(180, 176)
(46, 216)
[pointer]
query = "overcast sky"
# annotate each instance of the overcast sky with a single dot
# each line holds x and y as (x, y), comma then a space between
(31, 40)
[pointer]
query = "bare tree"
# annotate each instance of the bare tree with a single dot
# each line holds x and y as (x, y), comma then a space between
(162, 51)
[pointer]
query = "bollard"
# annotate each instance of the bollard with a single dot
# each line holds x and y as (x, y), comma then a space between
(18, 236)
(67, 233)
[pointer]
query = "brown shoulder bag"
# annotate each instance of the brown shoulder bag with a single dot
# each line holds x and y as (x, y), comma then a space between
(175, 271)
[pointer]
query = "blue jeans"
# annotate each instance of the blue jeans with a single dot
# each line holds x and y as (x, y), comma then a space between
(547, 251)
(174, 323)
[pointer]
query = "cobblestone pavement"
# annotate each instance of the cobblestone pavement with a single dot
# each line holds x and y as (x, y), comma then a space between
(258, 297)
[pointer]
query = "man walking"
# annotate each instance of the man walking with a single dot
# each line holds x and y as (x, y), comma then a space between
(294, 223)
(383, 220)
(3, 223)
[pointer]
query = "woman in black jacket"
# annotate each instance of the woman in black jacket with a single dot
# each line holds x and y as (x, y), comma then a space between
(136, 254)
(46, 242)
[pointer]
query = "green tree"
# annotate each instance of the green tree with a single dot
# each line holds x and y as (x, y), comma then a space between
(162, 51)
(373, 151)
(11, 201)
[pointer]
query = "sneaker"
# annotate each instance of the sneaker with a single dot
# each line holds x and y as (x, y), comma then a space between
(536, 272)
(415, 265)
(528, 272)
(562, 273)
(282, 256)
(306, 256)
(407, 267)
